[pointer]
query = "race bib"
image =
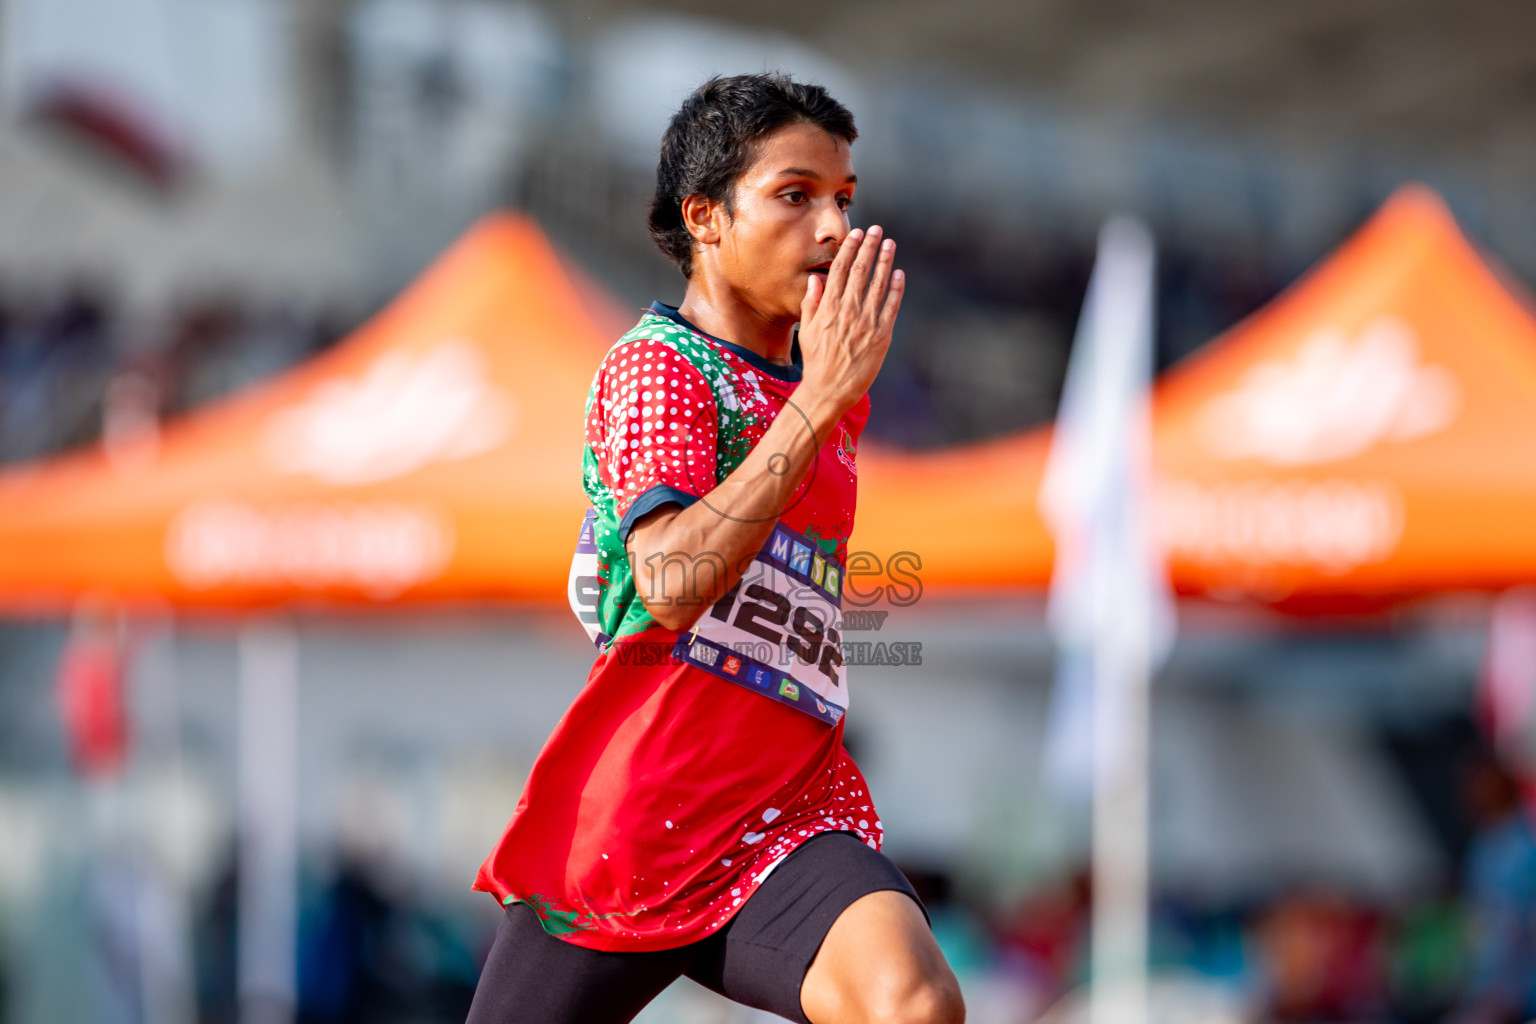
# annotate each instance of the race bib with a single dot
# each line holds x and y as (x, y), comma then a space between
(778, 630)
(584, 587)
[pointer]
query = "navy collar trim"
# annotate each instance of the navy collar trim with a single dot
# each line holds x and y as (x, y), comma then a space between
(782, 372)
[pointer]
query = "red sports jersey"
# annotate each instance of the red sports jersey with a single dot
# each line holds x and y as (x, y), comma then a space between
(691, 763)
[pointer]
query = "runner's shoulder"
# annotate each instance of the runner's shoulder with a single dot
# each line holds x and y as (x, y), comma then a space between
(663, 344)
(689, 361)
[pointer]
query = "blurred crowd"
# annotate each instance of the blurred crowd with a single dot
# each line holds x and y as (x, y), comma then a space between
(71, 363)
(985, 334)
(1309, 952)
(423, 116)
(374, 948)
(981, 349)
(369, 951)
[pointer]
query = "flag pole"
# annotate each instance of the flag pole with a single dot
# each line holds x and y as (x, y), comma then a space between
(1121, 896)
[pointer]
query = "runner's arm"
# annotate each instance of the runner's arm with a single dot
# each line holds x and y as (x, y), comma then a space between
(684, 559)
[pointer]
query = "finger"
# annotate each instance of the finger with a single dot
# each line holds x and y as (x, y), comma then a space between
(893, 302)
(837, 274)
(863, 263)
(812, 300)
(882, 277)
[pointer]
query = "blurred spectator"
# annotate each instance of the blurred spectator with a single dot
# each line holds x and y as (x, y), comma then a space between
(965, 942)
(1428, 960)
(90, 692)
(1323, 958)
(368, 956)
(215, 946)
(1500, 888)
(1211, 941)
(1045, 937)
(53, 360)
(343, 977)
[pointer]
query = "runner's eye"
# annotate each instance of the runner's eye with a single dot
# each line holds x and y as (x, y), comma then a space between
(843, 202)
(796, 196)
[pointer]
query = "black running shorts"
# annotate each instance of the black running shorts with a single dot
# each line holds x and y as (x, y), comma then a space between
(758, 958)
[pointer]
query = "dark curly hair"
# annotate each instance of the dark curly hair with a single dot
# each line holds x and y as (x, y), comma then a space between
(712, 139)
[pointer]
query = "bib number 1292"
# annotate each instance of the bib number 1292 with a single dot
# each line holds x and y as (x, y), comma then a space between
(778, 630)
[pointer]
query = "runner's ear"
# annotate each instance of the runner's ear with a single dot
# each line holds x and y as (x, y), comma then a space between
(701, 216)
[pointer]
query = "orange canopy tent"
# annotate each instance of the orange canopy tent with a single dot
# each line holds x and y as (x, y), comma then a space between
(1370, 435)
(1367, 437)
(433, 455)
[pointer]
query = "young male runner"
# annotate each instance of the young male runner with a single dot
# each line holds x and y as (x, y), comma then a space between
(694, 811)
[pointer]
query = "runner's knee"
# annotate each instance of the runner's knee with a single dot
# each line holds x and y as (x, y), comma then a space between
(924, 1001)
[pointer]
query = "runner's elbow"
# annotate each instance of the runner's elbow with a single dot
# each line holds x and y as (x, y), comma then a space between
(670, 615)
(666, 606)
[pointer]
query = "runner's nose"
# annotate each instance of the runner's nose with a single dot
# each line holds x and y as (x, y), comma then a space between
(832, 225)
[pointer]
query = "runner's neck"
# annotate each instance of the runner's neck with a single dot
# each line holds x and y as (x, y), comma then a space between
(790, 372)
(771, 340)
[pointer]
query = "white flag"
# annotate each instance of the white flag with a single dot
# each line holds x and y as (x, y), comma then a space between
(1109, 596)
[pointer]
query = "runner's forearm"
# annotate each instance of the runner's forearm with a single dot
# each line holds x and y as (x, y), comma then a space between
(684, 560)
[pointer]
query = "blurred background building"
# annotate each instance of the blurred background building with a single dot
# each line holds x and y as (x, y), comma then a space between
(197, 194)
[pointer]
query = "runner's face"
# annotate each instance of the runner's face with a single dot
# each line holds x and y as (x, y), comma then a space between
(790, 215)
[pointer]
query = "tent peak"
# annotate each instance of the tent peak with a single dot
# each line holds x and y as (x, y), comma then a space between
(1417, 199)
(1414, 220)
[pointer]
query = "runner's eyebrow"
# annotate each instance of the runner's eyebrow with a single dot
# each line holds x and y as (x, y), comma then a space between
(806, 172)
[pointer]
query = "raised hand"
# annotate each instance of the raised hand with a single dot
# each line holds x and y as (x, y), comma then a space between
(846, 320)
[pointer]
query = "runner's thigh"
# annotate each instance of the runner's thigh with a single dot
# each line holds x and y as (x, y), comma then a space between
(531, 977)
(760, 958)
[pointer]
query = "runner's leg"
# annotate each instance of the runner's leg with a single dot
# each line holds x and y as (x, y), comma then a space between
(761, 957)
(880, 962)
(531, 977)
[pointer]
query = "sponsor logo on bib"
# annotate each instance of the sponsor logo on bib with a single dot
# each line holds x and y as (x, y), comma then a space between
(800, 560)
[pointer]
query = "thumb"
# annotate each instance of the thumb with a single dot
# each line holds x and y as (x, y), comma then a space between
(812, 300)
